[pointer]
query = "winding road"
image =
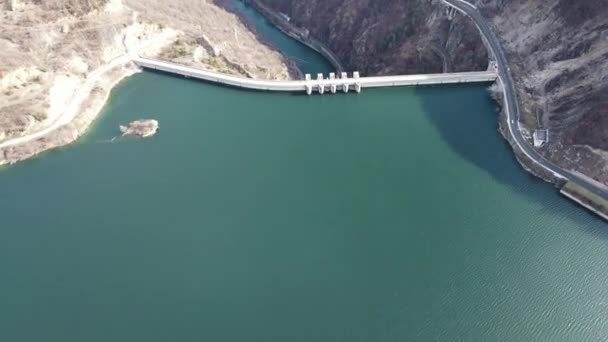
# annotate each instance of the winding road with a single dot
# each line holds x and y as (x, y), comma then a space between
(512, 104)
(74, 105)
(85, 89)
(504, 76)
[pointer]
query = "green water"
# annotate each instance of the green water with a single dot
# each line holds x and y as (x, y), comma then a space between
(393, 215)
(307, 60)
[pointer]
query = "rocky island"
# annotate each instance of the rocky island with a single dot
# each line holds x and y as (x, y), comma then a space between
(61, 58)
(140, 128)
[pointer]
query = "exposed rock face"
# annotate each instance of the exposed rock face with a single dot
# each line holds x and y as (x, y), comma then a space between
(50, 49)
(390, 36)
(140, 128)
(558, 53)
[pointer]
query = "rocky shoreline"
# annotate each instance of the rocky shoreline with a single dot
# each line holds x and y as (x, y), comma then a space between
(140, 128)
(170, 38)
(67, 134)
(598, 207)
(299, 34)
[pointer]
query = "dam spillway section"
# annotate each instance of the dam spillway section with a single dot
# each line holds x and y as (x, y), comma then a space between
(332, 83)
(320, 83)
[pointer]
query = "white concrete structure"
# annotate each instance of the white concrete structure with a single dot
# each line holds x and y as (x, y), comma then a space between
(308, 85)
(344, 76)
(541, 136)
(333, 86)
(320, 84)
(357, 84)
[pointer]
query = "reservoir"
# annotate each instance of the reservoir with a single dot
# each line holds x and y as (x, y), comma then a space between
(306, 59)
(392, 215)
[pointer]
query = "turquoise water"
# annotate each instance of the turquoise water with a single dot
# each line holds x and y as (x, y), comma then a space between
(307, 60)
(393, 215)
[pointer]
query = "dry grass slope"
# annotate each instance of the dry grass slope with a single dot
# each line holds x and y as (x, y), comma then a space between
(48, 47)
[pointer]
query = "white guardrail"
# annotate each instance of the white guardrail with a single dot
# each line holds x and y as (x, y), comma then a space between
(301, 85)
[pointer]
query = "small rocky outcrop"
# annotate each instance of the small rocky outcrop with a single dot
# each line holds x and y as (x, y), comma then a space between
(140, 128)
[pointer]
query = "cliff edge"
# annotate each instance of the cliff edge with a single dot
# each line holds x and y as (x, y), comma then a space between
(557, 51)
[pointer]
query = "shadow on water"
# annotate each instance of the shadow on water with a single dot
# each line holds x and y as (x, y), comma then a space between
(477, 140)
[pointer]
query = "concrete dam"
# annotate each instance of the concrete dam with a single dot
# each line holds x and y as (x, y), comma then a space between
(320, 84)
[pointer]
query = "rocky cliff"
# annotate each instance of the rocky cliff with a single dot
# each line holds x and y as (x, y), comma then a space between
(558, 53)
(385, 37)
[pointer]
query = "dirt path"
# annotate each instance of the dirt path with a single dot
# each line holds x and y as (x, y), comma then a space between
(75, 104)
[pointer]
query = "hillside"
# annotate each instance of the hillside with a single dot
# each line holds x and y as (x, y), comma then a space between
(49, 48)
(557, 49)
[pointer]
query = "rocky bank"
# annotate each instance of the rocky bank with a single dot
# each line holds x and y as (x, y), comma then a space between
(558, 53)
(50, 49)
(140, 128)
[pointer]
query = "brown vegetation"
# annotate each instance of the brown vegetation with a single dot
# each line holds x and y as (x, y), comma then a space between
(48, 47)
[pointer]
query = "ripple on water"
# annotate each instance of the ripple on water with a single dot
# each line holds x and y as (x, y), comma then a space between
(294, 216)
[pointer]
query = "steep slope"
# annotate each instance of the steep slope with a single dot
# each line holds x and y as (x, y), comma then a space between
(558, 53)
(49, 50)
(385, 37)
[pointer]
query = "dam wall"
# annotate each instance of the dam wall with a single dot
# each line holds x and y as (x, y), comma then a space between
(344, 82)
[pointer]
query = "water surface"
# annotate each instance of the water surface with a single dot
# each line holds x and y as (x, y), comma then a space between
(393, 215)
(306, 59)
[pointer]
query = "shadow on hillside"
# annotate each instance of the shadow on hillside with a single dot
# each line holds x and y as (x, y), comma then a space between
(476, 139)
(231, 7)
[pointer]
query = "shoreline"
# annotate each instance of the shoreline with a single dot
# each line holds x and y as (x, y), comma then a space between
(584, 201)
(527, 162)
(83, 109)
(298, 34)
(113, 58)
(528, 157)
(91, 96)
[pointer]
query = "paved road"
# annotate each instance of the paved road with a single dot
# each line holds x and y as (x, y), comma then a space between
(300, 85)
(74, 106)
(512, 104)
(83, 92)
